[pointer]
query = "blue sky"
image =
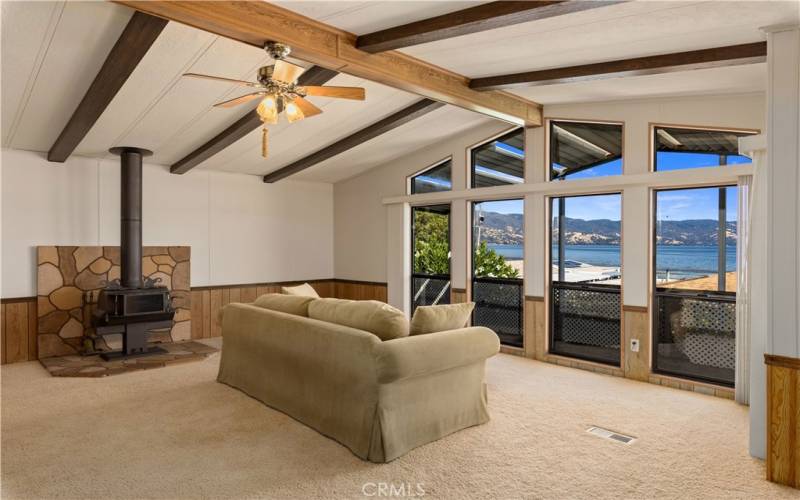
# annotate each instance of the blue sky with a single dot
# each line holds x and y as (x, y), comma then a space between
(606, 206)
(502, 207)
(701, 203)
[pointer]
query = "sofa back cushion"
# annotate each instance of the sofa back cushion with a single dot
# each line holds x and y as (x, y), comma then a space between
(290, 304)
(372, 316)
(304, 290)
(441, 318)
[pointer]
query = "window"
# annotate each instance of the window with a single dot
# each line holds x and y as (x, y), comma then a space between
(435, 178)
(585, 277)
(430, 255)
(499, 162)
(497, 255)
(580, 150)
(680, 148)
(694, 329)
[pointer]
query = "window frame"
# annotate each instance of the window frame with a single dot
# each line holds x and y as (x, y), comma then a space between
(548, 142)
(471, 262)
(548, 290)
(654, 290)
(410, 177)
(651, 140)
(483, 142)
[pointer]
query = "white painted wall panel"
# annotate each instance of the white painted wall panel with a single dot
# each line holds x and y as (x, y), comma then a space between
(240, 229)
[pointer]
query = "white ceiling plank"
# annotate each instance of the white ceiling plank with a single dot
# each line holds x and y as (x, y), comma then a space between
(437, 126)
(173, 51)
(25, 35)
(84, 37)
(365, 17)
(620, 31)
(725, 80)
(191, 99)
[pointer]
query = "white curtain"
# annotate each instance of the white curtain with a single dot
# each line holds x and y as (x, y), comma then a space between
(743, 337)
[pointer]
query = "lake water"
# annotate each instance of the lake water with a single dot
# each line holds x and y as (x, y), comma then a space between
(683, 259)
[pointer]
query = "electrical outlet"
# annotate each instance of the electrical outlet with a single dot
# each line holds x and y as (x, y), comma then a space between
(634, 345)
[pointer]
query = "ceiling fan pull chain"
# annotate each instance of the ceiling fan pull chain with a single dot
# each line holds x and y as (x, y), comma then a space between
(264, 146)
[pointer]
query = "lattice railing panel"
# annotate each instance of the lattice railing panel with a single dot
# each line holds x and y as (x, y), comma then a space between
(498, 306)
(586, 316)
(696, 336)
(430, 290)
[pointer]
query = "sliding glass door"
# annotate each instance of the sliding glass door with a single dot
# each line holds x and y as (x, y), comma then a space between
(497, 255)
(694, 331)
(430, 254)
(585, 304)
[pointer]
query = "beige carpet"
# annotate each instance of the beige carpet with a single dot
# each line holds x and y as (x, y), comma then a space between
(175, 433)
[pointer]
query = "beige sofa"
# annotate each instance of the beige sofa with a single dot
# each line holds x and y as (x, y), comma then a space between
(378, 398)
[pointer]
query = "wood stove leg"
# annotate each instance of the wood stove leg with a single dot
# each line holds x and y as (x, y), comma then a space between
(135, 339)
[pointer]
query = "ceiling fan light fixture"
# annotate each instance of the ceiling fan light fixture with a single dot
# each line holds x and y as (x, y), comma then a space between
(293, 112)
(268, 109)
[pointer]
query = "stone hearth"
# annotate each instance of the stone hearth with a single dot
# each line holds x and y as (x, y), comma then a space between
(94, 366)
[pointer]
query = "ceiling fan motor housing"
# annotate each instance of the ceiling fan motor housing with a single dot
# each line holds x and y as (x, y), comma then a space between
(277, 50)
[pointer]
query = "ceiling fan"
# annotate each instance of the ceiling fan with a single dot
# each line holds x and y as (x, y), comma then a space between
(279, 92)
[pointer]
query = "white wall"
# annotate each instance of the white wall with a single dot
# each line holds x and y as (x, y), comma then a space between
(361, 221)
(240, 229)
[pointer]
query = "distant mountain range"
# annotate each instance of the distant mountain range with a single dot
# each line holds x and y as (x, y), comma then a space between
(508, 229)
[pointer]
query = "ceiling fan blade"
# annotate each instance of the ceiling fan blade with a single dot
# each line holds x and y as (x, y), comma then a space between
(287, 72)
(306, 107)
(239, 100)
(222, 79)
(355, 93)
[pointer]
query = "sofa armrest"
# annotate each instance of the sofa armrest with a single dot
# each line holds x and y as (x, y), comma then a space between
(408, 357)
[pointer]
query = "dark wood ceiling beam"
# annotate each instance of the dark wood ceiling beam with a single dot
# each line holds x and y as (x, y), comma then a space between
(315, 75)
(134, 42)
(256, 23)
(484, 17)
(380, 127)
(733, 55)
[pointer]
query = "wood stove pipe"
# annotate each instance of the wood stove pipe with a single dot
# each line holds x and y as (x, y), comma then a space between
(131, 214)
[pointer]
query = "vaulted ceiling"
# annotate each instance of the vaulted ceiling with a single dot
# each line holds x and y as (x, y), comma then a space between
(52, 51)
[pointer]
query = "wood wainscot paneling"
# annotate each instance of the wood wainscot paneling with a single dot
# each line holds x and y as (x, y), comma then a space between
(534, 323)
(361, 290)
(18, 330)
(458, 295)
(19, 318)
(783, 419)
(207, 302)
(636, 326)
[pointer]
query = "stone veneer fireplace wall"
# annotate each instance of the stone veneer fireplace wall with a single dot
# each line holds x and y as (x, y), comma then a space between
(66, 273)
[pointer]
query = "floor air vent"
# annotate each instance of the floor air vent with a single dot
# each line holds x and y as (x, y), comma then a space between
(607, 434)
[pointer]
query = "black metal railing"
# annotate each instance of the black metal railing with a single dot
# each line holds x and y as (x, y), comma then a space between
(498, 306)
(429, 290)
(585, 321)
(694, 335)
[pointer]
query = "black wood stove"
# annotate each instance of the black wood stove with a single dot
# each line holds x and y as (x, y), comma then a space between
(132, 306)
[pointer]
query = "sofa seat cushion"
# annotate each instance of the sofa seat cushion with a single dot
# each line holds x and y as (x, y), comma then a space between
(290, 304)
(441, 318)
(381, 319)
(304, 290)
